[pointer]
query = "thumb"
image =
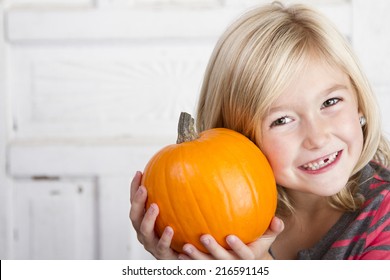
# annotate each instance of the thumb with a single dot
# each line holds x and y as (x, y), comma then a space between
(275, 228)
(266, 240)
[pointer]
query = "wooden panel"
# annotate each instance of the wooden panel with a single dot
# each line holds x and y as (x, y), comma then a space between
(104, 91)
(90, 159)
(55, 220)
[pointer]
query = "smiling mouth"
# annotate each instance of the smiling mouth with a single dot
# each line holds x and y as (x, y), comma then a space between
(316, 165)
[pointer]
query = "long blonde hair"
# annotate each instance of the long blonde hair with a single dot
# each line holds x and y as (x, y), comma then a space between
(258, 56)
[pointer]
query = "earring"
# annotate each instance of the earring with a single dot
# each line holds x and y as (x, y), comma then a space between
(362, 120)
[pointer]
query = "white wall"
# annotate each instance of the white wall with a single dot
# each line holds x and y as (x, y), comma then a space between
(89, 90)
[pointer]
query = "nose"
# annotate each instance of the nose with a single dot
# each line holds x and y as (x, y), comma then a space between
(316, 133)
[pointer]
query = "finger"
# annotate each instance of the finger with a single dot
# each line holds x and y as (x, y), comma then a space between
(262, 245)
(275, 228)
(164, 243)
(137, 208)
(147, 225)
(194, 254)
(216, 250)
(240, 248)
(135, 183)
(277, 225)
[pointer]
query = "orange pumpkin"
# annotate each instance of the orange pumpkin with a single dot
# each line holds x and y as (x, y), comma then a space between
(219, 183)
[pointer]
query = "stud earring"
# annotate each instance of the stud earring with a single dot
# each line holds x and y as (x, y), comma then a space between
(362, 121)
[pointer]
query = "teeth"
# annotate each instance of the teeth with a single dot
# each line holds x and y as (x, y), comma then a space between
(321, 163)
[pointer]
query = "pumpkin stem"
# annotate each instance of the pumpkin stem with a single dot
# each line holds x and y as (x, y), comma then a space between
(186, 129)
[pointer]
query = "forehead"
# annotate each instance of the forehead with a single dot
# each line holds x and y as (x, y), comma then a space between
(315, 78)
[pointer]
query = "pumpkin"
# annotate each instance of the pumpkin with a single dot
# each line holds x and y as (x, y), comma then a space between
(217, 182)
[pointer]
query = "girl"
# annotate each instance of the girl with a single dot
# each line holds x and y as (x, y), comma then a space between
(286, 79)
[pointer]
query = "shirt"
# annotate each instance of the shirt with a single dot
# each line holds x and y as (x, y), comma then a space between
(362, 234)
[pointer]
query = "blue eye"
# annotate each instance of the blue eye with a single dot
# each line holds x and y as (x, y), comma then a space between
(281, 121)
(330, 102)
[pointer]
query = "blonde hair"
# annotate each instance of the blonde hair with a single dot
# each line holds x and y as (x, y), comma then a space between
(258, 56)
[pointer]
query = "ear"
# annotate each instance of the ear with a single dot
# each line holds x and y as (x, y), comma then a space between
(362, 121)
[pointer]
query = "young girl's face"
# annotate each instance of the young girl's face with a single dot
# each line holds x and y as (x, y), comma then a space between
(312, 136)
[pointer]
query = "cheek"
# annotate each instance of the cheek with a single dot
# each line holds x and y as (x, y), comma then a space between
(353, 133)
(353, 136)
(349, 129)
(278, 153)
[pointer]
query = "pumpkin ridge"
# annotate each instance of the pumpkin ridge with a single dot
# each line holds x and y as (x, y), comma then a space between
(198, 208)
(228, 199)
(226, 186)
(172, 203)
(166, 196)
(254, 193)
(249, 181)
(191, 200)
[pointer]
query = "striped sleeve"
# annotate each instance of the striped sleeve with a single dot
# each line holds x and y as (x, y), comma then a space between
(374, 238)
(378, 237)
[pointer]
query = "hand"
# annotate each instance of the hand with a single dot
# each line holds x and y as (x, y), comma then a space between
(257, 250)
(144, 221)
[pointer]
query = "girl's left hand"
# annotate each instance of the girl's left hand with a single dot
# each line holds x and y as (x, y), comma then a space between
(257, 250)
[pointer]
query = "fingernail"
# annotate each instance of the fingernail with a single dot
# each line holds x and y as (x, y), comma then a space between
(205, 240)
(152, 208)
(140, 190)
(231, 239)
(279, 223)
(168, 231)
(188, 249)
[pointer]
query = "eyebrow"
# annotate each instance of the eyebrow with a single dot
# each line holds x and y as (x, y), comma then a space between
(334, 88)
(324, 92)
